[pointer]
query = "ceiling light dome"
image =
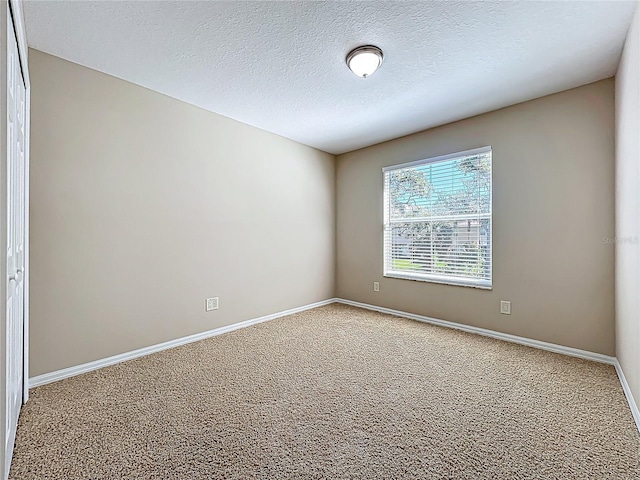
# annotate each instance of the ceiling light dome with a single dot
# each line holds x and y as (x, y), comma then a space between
(365, 60)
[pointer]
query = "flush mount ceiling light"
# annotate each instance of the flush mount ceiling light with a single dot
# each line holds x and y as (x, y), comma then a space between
(365, 60)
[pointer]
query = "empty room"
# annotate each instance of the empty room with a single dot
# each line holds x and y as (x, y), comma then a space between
(320, 240)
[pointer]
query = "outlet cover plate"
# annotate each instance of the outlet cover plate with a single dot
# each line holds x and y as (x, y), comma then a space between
(212, 304)
(505, 307)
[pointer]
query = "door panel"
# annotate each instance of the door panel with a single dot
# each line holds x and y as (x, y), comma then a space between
(16, 96)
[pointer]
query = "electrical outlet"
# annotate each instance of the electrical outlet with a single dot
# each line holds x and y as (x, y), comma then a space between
(212, 304)
(376, 286)
(505, 307)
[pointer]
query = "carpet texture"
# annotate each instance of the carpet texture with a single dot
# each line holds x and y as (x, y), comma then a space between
(335, 392)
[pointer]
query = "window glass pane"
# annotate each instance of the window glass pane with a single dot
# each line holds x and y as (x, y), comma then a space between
(438, 220)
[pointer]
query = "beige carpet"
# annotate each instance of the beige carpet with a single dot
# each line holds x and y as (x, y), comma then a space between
(335, 392)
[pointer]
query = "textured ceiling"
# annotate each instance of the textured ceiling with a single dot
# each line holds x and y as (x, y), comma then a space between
(280, 65)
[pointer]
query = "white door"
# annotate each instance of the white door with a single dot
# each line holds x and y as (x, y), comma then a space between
(16, 96)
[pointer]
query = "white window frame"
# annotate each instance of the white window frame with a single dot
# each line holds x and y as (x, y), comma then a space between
(431, 277)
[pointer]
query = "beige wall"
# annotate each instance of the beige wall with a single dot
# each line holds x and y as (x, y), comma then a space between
(628, 208)
(553, 204)
(142, 206)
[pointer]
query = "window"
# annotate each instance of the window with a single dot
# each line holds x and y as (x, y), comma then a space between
(437, 219)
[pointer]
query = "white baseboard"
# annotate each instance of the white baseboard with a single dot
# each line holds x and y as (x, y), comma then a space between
(551, 347)
(627, 392)
(95, 365)
(105, 362)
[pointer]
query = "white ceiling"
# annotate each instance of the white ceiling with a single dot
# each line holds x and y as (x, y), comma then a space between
(280, 65)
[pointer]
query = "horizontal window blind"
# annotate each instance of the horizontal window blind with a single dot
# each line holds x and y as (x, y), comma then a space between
(437, 219)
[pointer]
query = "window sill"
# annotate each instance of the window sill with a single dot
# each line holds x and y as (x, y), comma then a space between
(438, 279)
